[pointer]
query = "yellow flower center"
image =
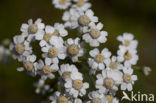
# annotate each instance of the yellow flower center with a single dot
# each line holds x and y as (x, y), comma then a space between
(108, 82)
(46, 69)
(73, 49)
(80, 3)
(47, 37)
(32, 29)
(53, 52)
(29, 66)
(63, 2)
(127, 42)
(96, 100)
(127, 78)
(20, 48)
(110, 98)
(94, 33)
(84, 20)
(77, 84)
(66, 75)
(113, 65)
(127, 56)
(62, 99)
(99, 58)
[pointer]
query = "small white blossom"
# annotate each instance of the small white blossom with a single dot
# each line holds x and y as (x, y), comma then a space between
(20, 47)
(147, 70)
(66, 71)
(113, 64)
(128, 41)
(61, 4)
(49, 32)
(71, 18)
(94, 35)
(33, 29)
(96, 97)
(74, 49)
(30, 64)
(46, 68)
(86, 18)
(60, 30)
(56, 50)
(128, 79)
(98, 60)
(108, 80)
(81, 5)
(128, 56)
(75, 85)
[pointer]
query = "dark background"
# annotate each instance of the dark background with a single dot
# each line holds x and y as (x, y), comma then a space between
(118, 16)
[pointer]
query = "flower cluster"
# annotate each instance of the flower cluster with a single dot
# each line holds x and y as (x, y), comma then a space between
(62, 63)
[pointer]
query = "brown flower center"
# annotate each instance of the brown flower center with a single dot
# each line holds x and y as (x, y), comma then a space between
(77, 84)
(96, 100)
(73, 49)
(20, 48)
(32, 29)
(56, 33)
(47, 37)
(110, 98)
(127, 56)
(94, 33)
(99, 58)
(84, 20)
(46, 69)
(29, 66)
(62, 99)
(53, 52)
(63, 2)
(80, 3)
(113, 65)
(127, 42)
(127, 78)
(66, 75)
(108, 82)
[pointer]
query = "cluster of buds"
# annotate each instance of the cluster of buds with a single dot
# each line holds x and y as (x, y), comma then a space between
(75, 70)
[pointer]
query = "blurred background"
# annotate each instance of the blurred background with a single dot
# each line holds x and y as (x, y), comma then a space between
(118, 16)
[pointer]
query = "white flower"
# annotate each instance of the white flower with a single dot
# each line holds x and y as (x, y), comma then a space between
(49, 32)
(94, 35)
(41, 87)
(60, 30)
(75, 85)
(32, 29)
(108, 80)
(87, 17)
(128, 79)
(59, 98)
(81, 5)
(67, 70)
(147, 70)
(111, 99)
(46, 68)
(20, 47)
(128, 41)
(4, 53)
(74, 49)
(113, 64)
(55, 50)
(61, 4)
(30, 64)
(98, 59)
(128, 56)
(96, 97)
(71, 18)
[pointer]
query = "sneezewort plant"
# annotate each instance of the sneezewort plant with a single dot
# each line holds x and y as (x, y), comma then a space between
(82, 74)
